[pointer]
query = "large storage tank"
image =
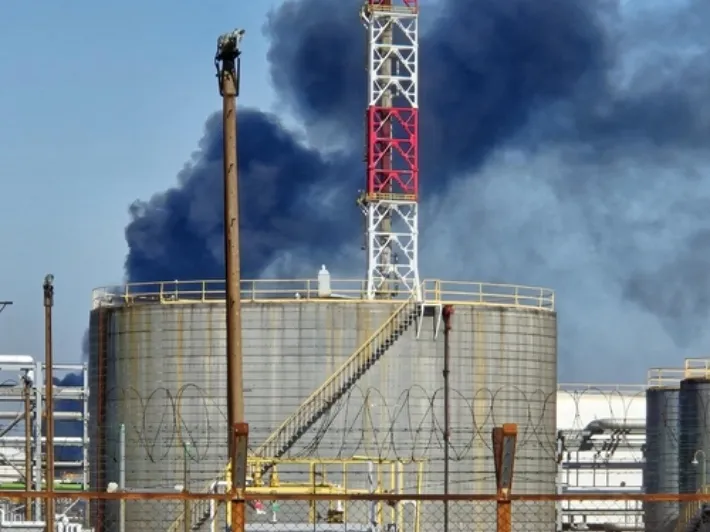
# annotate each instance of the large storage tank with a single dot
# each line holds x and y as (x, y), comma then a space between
(158, 367)
(694, 448)
(661, 464)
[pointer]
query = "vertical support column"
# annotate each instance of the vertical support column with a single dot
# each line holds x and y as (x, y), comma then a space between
(85, 427)
(448, 313)
(390, 199)
(38, 414)
(227, 64)
(122, 477)
(48, 289)
(504, 440)
(27, 395)
(237, 479)
(100, 431)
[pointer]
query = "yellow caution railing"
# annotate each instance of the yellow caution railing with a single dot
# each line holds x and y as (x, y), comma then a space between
(697, 368)
(288, 433)
(332, 476)
(665, 377)
(689, 509)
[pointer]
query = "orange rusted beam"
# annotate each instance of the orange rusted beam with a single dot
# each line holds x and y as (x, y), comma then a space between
(239, 475)
(504, 439)
(379, 497)
(504, 519)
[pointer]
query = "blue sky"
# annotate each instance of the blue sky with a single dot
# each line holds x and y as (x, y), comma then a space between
(101, 104)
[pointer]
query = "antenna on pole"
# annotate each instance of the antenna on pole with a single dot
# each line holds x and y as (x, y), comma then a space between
(4, 304)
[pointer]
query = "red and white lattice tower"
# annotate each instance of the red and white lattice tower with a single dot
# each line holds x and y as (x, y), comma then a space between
(389, 200)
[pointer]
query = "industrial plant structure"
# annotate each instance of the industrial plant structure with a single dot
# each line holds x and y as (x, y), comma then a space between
(336, 372)
(23, 444)
(387, 384)
(329, 374)
(601, 441)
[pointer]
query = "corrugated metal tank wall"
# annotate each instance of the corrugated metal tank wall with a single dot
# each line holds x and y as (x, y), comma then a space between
(694, 434)
(661, 465)
(165, 371)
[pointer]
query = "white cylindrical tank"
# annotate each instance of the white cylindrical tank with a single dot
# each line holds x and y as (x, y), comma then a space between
(324, 282)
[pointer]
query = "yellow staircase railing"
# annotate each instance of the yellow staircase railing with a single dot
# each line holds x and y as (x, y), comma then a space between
(689, 510)
(338, 384)
(319, 402)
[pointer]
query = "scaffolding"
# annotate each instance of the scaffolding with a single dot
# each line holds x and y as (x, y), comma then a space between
(22, 440)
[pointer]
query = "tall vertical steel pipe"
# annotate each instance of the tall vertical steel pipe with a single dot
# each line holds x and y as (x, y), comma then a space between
(227, 61)
(448, 312)
(48, 288)
(27, 395)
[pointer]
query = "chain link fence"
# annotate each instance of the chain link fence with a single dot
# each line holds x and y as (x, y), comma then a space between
(296, 512)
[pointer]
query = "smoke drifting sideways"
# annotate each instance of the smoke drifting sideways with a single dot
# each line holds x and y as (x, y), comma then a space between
(562, 143)
(298, 200)
(178, 234)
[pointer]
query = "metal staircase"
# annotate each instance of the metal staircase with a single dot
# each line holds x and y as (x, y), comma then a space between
(339, 383)
(691, 513)
(320, 401)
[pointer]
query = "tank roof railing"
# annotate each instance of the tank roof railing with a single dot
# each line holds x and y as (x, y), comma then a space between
(585, 387)
(697, 368)
(308, 290)
(665, 377)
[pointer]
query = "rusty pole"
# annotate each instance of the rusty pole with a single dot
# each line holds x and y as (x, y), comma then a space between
(504, 440)
(448, 312)
(48, 288)
(27, 393)
(227, 64)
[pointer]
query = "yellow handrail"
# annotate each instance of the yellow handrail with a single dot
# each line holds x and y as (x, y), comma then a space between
(697, 368)
(665, 377)
(689, 509)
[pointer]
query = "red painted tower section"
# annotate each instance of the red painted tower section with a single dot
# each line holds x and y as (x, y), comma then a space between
(392, 188)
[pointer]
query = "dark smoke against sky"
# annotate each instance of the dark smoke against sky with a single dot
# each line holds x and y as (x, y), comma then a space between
(563, 144)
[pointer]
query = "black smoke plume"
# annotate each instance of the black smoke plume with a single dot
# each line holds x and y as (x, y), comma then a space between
(563, 143)
(66, 428)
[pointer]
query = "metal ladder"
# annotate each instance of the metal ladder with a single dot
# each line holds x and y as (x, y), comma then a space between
(321, 400)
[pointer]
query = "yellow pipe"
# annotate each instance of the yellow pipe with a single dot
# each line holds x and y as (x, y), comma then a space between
(345, 486)
(355, 460)
(393, 489)
(420, 481)
(378, 489)
(400, 482)
(312, 505)
(297, 489)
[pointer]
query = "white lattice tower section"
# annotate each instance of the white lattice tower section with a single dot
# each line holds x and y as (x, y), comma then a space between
(390, 199)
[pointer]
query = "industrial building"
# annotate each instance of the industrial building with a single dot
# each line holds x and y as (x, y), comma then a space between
(338, 373)
(157, 394)
(601, 432)
(391, 384)
(330, 376)
(23, 444)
